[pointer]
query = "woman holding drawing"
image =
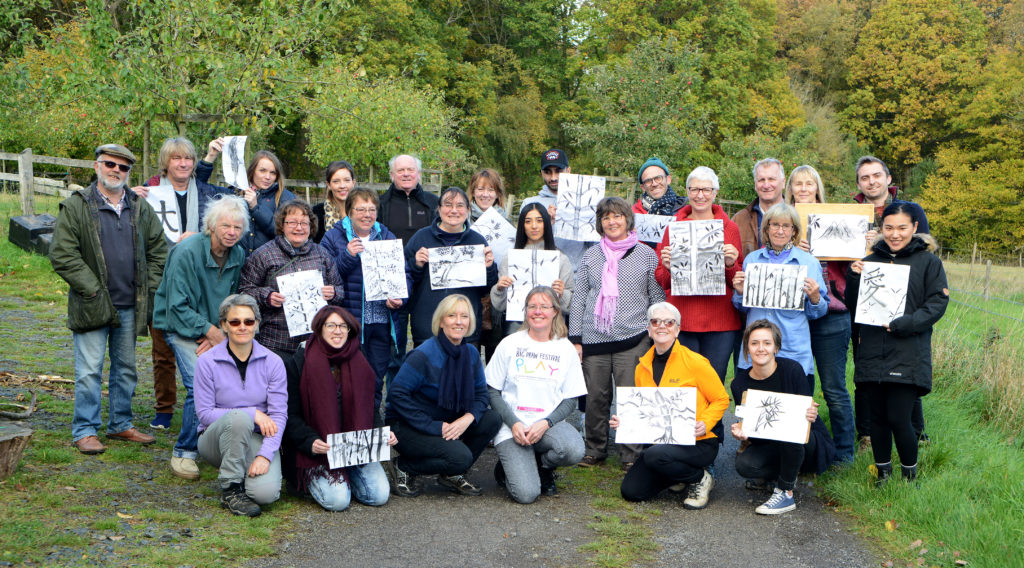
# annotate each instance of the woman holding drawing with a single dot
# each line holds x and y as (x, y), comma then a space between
(241, 400)
(534, 233)
(291, 251)
(780, 231)
(332, 389)
(608, 324)
(670, 365)
(830, 334)
(341, 179)
(894, 362)
(764, 461)
(345, 243)
(711, 323)
(438, 405)
(449, 229)
(533, 380)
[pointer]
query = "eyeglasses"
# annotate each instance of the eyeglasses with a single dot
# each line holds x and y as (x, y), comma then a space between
(365, 210)
(656, 322)
(704, 190)
(249, 322)
(294, 224)
(536, 308)
(779, 226)
(125, 168)
(331, 326)
(652, 181)
(459, 206)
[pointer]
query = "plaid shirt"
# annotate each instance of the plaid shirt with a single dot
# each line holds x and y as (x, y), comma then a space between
(259, 280)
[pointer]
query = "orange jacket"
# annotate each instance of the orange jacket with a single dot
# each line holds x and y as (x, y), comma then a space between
(685, 368)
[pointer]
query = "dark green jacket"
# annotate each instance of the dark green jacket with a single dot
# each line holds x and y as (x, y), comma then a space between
(77, 256)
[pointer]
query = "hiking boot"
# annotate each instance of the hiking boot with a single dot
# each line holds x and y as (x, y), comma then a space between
(402, 483)
(882, 473)
(780, 502)
(185, 468)
(234, 499)
(590, 461)
(458, 484)
(547, 481)
(699, 492)
(499, 474)
(162, 421)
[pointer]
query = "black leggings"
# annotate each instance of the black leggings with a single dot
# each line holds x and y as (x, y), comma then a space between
(780, 462)
(664, 465)
(892, 408)
(425, 454)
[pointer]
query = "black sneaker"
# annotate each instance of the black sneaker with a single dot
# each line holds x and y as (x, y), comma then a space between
(499, 474)
(234, 499)
(547, 482)
(459, 484)
(402, 483)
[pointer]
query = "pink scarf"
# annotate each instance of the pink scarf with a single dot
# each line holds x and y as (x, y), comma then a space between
(608, 297)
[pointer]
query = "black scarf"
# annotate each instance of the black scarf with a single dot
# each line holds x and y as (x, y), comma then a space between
(456, 389)
(668, 204)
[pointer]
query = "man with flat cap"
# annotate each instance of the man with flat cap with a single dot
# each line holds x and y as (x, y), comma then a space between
(109, 246)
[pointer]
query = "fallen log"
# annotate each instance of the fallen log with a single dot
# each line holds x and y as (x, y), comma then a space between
(13, 440)
(19, 415)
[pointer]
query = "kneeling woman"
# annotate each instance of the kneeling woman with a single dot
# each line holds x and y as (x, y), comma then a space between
(534, 378)
(438, 405)
(332, 389)
(242, 404)
(668, 364)
(769, 461)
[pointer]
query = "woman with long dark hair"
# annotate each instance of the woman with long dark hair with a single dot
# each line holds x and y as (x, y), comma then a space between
(341, 179)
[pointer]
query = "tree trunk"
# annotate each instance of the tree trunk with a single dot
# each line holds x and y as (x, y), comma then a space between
(13, 439)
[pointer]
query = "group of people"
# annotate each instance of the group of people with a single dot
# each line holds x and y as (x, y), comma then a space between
(261, 403)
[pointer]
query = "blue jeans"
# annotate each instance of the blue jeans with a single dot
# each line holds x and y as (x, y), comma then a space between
(90, 347)
(715, 345)
(185, 355)
(377, 350)
(830, 341)
(366, 482)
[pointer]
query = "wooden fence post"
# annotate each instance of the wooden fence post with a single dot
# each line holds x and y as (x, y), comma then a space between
(988, 276)
(974, 253)
(27, 189)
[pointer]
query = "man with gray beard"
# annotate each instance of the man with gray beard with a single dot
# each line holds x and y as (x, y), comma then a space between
(109, 246)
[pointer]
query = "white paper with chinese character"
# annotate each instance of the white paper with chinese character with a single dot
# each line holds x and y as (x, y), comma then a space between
(165, 204)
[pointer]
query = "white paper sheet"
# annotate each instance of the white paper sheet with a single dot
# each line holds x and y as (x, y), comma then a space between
(233, 161)
(837, 236)
(774, 286)
(457, 267)
(653, 415)
(698, 257)
(356, 448)
(651, 228)
(576, 212)
(383, 270)
(882, 295)
(303, 298)
(528, 269)
(165, 204)
(497, 231)
(775, 416)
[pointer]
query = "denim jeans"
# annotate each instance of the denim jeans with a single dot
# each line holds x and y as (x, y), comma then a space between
(90, 347)
(366, 482)
(830, 341)
(185, 355)
(560, 446)
(715, 345)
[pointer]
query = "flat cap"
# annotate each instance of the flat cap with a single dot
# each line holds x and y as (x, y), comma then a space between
(116, 150)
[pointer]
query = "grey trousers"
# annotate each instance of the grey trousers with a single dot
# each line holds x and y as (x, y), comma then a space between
(231, 444)
(603, 373)
(561, 445)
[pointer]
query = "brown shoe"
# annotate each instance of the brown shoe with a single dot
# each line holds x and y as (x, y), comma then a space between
(133, 435)
(590, 461)
(90, 445)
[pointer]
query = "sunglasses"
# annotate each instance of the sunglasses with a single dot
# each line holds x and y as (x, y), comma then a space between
(655, 322)
(111, 165)
(249, 322)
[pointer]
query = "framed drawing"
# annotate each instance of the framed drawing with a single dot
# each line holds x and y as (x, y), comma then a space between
(865, 210)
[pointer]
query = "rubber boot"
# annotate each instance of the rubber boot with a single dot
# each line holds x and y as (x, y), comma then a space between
(909, 473)
(884, 471)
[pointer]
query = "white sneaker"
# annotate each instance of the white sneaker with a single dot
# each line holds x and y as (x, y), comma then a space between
(185, 468)
(699, 492)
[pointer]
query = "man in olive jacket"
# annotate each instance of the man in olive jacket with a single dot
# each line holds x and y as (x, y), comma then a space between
(109, 246)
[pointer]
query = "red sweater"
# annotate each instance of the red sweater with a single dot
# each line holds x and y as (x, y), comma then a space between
(704, 313)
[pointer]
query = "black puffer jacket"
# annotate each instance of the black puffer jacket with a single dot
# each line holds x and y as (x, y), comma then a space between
(904, 353)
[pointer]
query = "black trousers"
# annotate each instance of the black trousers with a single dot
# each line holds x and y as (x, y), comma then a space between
(892, 409)
(664, 465)
(425, 454)
(780, 462)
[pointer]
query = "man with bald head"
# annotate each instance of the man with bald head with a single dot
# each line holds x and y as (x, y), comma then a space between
(405, 207)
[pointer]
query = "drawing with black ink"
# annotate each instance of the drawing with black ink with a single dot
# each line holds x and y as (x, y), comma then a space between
(497, 231)
(165, 204)
(882, 295)
(383, 265)
(774, 286)
(576, 212)
(528, 269)
(651, 228)
(457, 267)
(651, 415)
(233, 162)
(303, 298)
(769, 412)
(347, 449)
(698, 257)
(837, 235)
(775, 416)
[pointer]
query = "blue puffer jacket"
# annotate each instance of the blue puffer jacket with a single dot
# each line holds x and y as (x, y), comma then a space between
(350, 267)
(261, 217)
